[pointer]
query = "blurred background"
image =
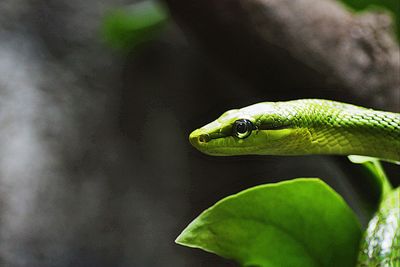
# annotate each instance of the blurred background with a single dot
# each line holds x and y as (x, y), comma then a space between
(97, 99)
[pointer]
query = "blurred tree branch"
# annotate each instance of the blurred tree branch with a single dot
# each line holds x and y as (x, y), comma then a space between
(317, 47)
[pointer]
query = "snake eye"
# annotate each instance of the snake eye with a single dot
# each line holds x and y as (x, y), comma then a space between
(242, 128)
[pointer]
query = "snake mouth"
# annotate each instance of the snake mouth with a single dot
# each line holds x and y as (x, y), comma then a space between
(218, 144)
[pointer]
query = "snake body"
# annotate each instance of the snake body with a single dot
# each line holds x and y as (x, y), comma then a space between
(314, 126)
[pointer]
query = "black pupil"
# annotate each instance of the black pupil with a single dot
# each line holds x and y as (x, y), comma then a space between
(241, 127)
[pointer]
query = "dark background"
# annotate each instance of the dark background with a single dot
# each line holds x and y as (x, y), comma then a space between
(95, 165)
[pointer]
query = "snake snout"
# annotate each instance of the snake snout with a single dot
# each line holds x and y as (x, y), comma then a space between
(197, 139)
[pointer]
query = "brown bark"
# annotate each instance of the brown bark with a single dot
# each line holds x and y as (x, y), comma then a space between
(304, 44)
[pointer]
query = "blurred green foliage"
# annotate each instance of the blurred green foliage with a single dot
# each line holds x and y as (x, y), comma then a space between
(393, 6)
(127, 27)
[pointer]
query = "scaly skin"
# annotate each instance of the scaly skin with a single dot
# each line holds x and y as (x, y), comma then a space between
(313, 126)
(381, 243)
(302, 127)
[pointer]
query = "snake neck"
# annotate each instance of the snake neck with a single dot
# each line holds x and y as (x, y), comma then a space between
(344, 129)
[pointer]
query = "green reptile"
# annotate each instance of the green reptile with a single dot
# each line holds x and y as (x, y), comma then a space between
(314, 126)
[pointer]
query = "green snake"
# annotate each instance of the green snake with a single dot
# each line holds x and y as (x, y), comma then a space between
(314, 126)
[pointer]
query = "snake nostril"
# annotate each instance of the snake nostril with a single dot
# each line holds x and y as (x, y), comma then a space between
(204, 138)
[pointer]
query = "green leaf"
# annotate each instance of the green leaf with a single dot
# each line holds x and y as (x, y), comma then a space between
(301, 222)
(125, 28)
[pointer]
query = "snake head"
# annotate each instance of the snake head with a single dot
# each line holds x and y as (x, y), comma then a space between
(257, 129)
